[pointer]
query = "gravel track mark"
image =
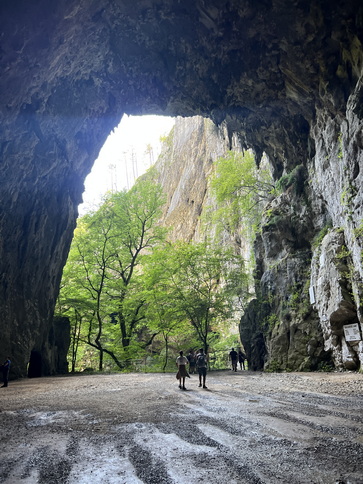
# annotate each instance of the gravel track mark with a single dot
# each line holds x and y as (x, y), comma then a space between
(246, 428)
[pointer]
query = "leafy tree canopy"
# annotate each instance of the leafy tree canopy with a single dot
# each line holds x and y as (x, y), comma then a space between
(197, 283)
(102, 269)
(240, 187)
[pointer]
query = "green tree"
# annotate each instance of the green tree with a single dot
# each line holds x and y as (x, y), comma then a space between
(75, 300)
(163, 316)
(135, 233)
(196, 280)
(240, 188)
(84, 283)
(105, 256)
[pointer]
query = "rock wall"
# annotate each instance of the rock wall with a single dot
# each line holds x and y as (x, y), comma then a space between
(285, 76)
(311, 241)
(183, 169)
(337, 271)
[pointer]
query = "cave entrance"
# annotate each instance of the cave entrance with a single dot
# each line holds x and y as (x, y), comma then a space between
(35, 365)
(130, 149)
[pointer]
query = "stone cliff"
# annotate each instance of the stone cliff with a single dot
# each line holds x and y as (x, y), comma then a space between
(310, 252)
(285, 76)
(183, 169)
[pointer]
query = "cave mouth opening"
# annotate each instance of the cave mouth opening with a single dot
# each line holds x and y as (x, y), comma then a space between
(130, 149)
(35, 364)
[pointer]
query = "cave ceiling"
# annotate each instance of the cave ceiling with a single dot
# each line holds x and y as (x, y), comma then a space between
(263, 66)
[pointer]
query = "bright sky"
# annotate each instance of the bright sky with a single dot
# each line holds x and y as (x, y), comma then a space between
(125, 156)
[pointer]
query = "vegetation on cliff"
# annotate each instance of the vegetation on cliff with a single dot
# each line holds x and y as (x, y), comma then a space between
(241, 190)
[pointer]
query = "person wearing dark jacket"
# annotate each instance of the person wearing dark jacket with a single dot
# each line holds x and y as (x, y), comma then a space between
(241, 359)
(233, 356)
(6, 369)
(202, 367)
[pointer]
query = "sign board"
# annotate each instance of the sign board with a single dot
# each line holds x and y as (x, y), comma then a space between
(351, 332)
(312, 295)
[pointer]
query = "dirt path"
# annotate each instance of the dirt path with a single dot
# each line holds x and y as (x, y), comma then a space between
(140, 428)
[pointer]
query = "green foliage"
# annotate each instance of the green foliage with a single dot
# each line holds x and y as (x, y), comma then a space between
(228, 342)
(273, 321)
(129, 294)
(343, 252)
(102, 282)
(168, 139)
(295, 297)
(274, 367)
(298, 301)
(340, 144)
(325, 367)
(347, 199)
(195, 283)
(135, 300)
(219, 353)
(358, 232)
(274, 221)
(268, 213)
(283, 183)
(320, 236)
(294, 178)
(240, 188)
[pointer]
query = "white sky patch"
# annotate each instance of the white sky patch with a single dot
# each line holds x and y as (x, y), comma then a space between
(132, 147)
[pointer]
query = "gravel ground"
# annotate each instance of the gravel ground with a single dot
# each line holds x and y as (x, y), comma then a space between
(140, 428)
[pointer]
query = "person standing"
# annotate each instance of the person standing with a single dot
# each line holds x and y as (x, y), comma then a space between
(6, 370)
(233, 356)
(241, 359)
(202, 367)
(181, 363)
(191, 359)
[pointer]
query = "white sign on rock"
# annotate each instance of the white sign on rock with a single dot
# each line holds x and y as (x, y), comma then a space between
(312, 295)
(351, 332)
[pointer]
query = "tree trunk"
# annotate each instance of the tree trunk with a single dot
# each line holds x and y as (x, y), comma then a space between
(166, 352)
(100, 364)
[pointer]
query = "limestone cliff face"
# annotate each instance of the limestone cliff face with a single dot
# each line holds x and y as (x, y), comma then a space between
(337, 264)
(183, 169)
(286, 76)
(311, 240)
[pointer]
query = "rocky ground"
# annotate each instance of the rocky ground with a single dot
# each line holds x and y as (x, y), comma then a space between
(140, 428)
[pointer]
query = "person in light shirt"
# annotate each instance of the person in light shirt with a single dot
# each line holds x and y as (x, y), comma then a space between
(181, 363)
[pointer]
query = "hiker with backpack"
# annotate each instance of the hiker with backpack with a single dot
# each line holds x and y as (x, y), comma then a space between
(202, 367)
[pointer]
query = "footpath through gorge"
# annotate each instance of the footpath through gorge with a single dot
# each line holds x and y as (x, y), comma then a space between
(140, 428)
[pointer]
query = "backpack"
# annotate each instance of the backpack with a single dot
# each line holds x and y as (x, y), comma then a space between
(201, 360)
